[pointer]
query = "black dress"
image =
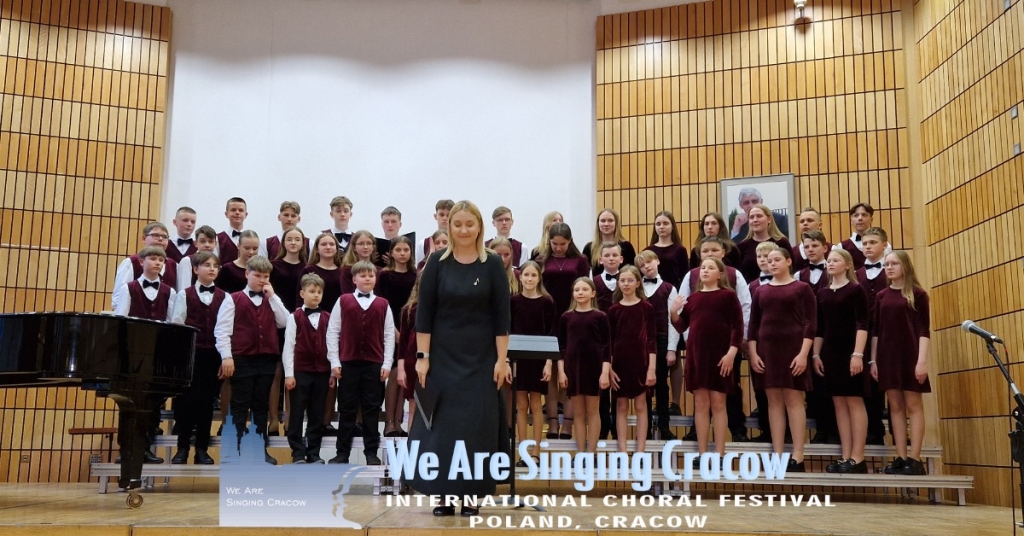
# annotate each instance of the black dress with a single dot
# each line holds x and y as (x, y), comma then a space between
(463, 307)
(841, 313)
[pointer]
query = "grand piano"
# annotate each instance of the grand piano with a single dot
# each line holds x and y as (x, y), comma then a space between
(138, 363)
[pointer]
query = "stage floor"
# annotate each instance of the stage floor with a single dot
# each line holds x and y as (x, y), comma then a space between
(190, 509)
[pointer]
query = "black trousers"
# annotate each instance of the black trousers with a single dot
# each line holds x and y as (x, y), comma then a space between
(307, 400)
(194, 408)
(660, 387)
(821, 408)
(734, 401)
(761, 398)
(359, 391)
(607, 410)
(250, 390)
(874, 403)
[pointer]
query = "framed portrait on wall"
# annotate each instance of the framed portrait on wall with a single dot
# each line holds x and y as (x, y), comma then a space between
(775, 191)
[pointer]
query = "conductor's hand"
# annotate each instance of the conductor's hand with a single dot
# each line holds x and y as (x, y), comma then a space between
(384, 373)
(227, 368)
(502, 373)
(289, 383)
(422, 366)
(402, 379)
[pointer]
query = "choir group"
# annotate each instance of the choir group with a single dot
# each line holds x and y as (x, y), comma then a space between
(827, 330)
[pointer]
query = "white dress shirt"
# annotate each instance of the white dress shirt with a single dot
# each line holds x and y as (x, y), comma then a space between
(855, 238)
(184, 273)
(225, 327)
(124, 274)
(123, 298)
(288, 355)
(182, 248)
(335, 231)
(334, 332)
(872, 272)
(673, 335)
(180, 309)
(742, 292)
(612, 283)
(815, 275)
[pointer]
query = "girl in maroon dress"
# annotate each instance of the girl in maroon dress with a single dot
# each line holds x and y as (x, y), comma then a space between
(715, 320)
(325, 261)
(405, 351)
(394, 284)
(503, 247)
(899, 347)
(762, 229)
(585, 366)
(671, 254)
(291, 259)
(712, 224)
(607, 229)
(362, 247)
(533, 313)
(783, 318)
(839, 357)
(560, 267)
(634, 349)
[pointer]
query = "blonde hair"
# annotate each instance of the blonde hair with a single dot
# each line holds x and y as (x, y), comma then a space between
(294, 205)
(351, 257)
(851, 273)
(510, 273)
(910, 281)
(311, 279)
(540, 276)
(341, 201)
(314, 255)
(593, 299)
(259, 264)
(414, 298)
(723, 274)
(640, 292)
(595, 256)
(773, 230)
(765, 248)
(544, 246)
(472, 209)
(645, 257)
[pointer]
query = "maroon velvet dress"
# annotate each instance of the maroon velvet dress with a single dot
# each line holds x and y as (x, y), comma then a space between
(781, 317)
(634, 337)
(532, 316)
(584, 342)
(748, 252)
(332, 285)
(406, 348)
(395, 287)
(231, 278)
(559, 274)
(673, 263)
(715, 321)
(899, 329)
(285, 279)
(841, 313)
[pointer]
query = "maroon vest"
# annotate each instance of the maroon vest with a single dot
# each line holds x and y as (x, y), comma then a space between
(855, 252)
(799, 262)
(871, 286)
(659, 300)
(605, 297)
(730, 272)
(227, 250)
(311, 344)
(169, 277)
(142, 307)
(203, 317)
(362, 332)
(426, 246)
(255, 330)
(273, 247)
(805, 276)
(174, 253)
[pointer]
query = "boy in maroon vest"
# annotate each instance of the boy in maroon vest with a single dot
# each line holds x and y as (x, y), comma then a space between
(206, 240)
(813, 273)
(153, 234)
(289, 217)
(341, 213)
(608, 280)
(441, 210)
(197, 306)
(307, 370)
(660, 294)
(871, 278)
(862, 216)
(502, 221)
(361, 341)
(246, 328)
(182, 245)
(236, 212)
(147, 297)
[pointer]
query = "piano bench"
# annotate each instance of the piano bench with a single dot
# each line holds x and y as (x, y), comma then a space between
(108, 432)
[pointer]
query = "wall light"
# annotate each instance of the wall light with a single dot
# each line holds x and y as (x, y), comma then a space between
(800, 4)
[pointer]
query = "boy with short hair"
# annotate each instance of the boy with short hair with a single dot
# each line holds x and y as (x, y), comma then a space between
(153, 234)
(361, 344)
(180, 246)
(341, 213)
(502, 221)
(197, 306)
(205, 240)
(289, 217)
(809, 220)
(236, 212)
(246, 329)
(441, 210)
(307, 370)
(660, 294)
(815, 246)
(862, 216)
(607, 282)
(871, 278)
(390, 223)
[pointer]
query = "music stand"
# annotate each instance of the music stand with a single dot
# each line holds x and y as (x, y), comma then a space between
(527, 347)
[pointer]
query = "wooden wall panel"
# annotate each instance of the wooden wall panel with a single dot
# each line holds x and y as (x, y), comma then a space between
(970, 76)
(83, 86)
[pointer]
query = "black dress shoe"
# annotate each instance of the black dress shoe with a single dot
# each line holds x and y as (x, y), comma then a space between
(180, 457)
(469, 511)
(795, 467)
(149, 457)
(372, 459)
(691, 435)
(269, 459)
(836, 466)
(912, 467)
(330, 430)
(855, 468)
(314, 458)
(895, 468)
(297, 461)
(674, 411)
(344, 459)
(442, 511)
(740, 437)
(666, 434)
(202, 458)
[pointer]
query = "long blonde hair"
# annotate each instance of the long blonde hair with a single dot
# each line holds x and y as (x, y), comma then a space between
(414, 298)
(549, 220)
(467, 206)
(640, 292)
(510, 273)
(351, 257)
(773, 230)
(851, 273)
(723, 275)
(910, 281)
(595, 256)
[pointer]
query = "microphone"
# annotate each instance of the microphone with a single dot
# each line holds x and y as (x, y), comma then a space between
(970, 327)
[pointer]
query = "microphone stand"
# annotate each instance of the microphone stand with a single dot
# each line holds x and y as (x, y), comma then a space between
(1017, 435)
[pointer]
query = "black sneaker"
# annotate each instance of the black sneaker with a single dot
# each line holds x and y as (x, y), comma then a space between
(835, 466)
(851, 468)
(341, 458)
(795, 467)
(372, 459)
(895, 468)
(912, 467)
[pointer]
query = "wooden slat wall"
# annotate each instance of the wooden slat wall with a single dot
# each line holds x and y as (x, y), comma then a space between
(971, 71)
(82, 99)
(692, 94)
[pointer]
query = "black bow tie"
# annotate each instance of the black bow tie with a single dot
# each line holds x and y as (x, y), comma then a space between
(183, 241)
(650, 280)
(609, 277)
(766, 278)
(150, 284)
(253, 294)
(856, 238)
(203, 288)
(342, 237)
(361, 295)
(870, 265)
(816, 267)
(235, 234)
(310, 311)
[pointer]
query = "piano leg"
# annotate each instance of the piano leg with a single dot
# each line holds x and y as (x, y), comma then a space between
(137, 410)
